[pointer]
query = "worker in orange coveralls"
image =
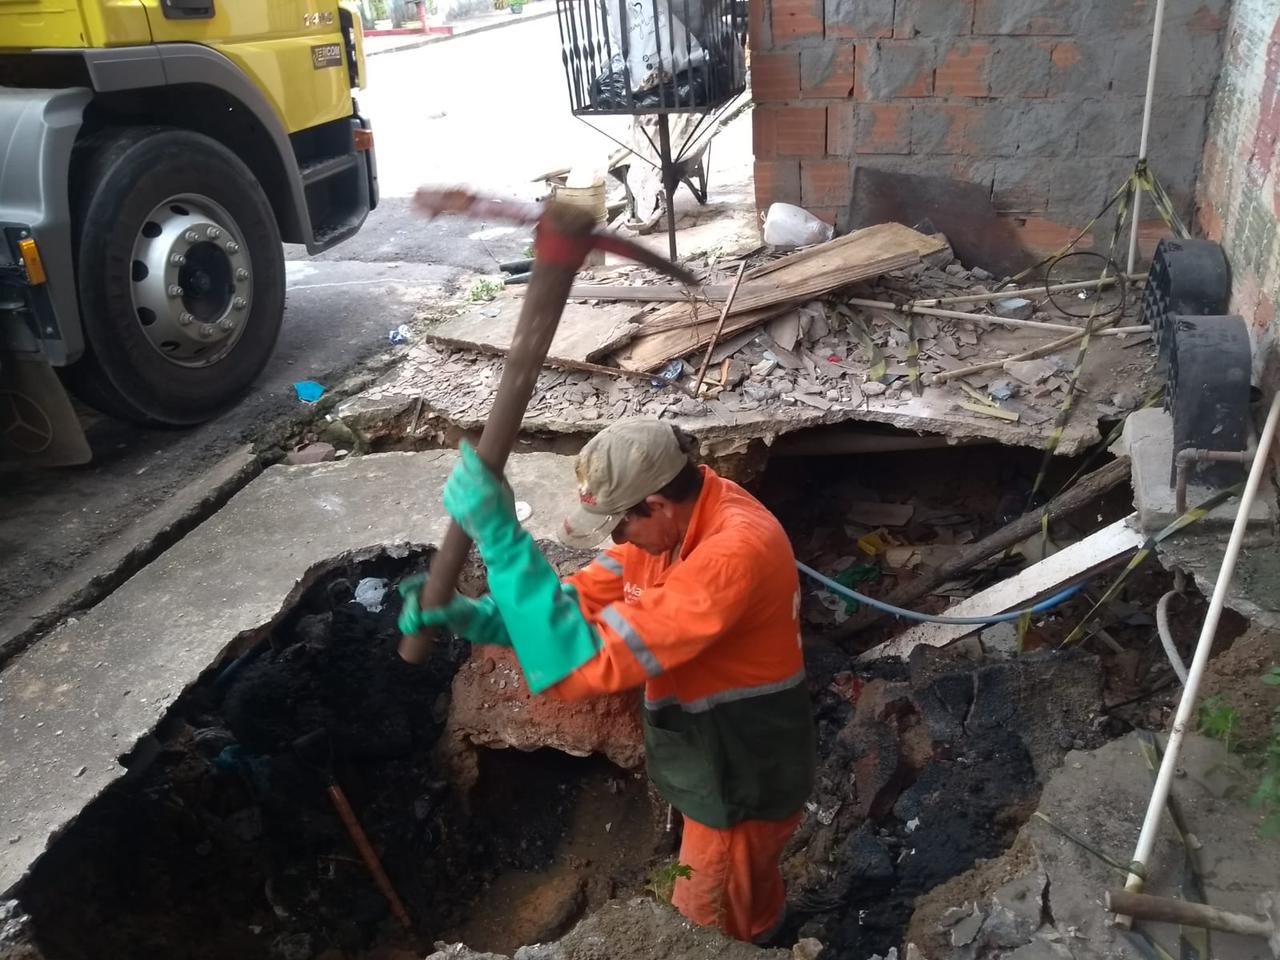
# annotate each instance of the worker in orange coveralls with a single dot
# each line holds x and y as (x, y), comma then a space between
(698, 601)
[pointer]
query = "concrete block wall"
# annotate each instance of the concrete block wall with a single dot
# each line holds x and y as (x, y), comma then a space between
(1039, 100)
(1239, 190)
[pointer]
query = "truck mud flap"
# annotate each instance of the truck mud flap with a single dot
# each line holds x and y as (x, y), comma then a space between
(38, 425)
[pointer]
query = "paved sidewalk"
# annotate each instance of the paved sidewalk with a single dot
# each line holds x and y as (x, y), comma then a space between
(494, 20)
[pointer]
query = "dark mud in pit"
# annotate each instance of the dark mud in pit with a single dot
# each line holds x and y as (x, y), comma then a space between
(924, 768)
(226, 844)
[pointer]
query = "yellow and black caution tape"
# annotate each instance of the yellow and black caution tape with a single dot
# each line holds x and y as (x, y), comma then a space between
(1064, 414)
(1148, 547)
(913, 355)
(1152, 399)
(1140, 179)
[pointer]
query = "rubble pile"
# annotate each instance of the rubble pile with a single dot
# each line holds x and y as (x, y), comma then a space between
(817, 361)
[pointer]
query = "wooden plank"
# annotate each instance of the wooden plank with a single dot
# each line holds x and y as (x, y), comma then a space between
(793, 288)
(651, 352)
(1036, 582)
(683, 327)
(801, 276)
(585, 334)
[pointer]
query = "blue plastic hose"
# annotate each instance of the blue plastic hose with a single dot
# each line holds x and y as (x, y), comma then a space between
(844, 591)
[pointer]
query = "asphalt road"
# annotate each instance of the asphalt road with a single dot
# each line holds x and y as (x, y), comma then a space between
(488, 110)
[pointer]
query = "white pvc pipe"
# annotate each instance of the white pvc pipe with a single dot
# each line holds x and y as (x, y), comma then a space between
(1146, 130)
(1166, 637)
(1186, 705)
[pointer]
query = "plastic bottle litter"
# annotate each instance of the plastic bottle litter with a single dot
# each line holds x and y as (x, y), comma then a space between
(787, 226)
(399, 335)
(369, 593)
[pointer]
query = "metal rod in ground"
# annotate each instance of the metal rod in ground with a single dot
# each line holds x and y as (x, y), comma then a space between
(715, 337)
(1156, 30)
(370, 857)
(1187, 704)
(669, 181)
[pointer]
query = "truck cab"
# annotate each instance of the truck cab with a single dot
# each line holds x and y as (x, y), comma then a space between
(154, 155)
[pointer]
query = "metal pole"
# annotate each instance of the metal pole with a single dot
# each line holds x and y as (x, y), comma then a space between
(668, 179)
(1186, 705)
(1146, 131)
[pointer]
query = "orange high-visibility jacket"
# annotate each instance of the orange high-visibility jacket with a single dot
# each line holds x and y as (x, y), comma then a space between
(715, 639)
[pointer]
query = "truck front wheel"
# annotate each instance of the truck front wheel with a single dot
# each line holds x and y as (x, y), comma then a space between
(181, 276)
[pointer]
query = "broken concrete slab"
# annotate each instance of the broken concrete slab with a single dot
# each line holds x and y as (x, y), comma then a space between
(105, 568)
(1148, 440)
(76, 703)
(1019, 591)
(638, 929)
(441, 393)
(585, 333)
(1256, 581)
(1101, 797)
(1052, 885)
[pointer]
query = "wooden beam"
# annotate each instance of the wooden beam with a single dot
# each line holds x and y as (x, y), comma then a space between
(1022, 590)
(1091, 486)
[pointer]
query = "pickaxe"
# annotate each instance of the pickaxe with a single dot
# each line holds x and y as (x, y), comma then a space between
(563, 237)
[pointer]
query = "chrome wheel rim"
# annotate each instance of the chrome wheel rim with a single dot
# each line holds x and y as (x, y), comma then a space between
(191, 281)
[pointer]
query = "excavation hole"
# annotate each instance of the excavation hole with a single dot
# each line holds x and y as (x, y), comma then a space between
(224, 840)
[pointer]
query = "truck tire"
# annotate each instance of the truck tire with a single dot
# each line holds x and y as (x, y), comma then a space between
(180, 273)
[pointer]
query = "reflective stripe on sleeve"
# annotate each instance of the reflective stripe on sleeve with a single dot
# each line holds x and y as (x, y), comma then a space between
(635, 643)
(609, 563)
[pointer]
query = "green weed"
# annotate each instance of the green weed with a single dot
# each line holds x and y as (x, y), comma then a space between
(483, 291)
(1219, 720)
(662, 879)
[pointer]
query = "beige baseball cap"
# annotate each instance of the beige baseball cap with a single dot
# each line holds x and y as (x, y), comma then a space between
(617, 469)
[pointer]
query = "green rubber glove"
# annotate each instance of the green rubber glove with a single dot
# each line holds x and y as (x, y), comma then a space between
(552, 638)
(481, 502)
(476, 621)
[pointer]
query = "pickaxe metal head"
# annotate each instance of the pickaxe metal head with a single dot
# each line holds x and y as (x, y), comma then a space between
(555, 238)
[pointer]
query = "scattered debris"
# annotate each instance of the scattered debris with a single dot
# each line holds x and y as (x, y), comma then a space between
(1016, 308)
(787, 226)
(369, 593)
(308, 391)
(309, 453)
(803, 350)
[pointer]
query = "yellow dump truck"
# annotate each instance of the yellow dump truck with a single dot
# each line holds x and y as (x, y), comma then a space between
(154, 154)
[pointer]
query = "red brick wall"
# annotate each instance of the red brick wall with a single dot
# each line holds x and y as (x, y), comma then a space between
(1039, 100)
(1239, 190)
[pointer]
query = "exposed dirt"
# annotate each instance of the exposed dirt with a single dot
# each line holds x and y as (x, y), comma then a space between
(1236, 674)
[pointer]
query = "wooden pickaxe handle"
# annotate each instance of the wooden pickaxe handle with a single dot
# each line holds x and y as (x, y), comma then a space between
(563, 238)
(1142, 906)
